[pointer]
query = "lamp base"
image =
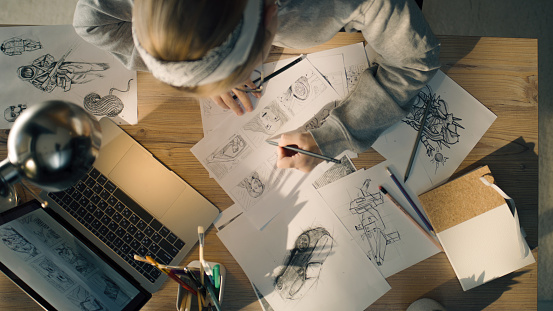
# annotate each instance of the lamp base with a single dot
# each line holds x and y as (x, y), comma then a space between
(10, 199)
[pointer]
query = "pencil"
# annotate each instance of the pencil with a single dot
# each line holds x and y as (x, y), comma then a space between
(413, 205)
(272, 75)
(167, 272)
(389, 196)
(309, 153)
(417, 141)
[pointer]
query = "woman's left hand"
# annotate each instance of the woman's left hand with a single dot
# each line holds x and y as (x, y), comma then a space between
(226, 100)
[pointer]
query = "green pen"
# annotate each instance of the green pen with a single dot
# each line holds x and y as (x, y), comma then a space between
(216, 277)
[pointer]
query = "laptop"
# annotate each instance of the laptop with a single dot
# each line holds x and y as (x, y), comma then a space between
(130, 203)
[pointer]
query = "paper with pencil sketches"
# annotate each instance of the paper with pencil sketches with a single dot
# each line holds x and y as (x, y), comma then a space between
(53, 63)
(455, 123)
(384, 233)
(305, 260)
(237, 155)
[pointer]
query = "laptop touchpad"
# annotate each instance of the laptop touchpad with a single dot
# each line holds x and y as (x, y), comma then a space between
(147, 181)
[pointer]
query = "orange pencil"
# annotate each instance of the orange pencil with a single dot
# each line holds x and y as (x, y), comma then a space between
(410, 218)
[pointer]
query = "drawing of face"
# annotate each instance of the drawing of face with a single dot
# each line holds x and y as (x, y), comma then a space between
(269, 120)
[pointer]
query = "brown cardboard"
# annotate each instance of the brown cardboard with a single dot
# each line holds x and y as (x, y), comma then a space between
(460, 200)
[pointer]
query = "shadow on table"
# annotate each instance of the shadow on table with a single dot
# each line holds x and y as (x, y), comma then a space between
(515, 170)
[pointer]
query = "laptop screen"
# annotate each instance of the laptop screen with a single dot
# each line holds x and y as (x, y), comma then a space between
(58, 269)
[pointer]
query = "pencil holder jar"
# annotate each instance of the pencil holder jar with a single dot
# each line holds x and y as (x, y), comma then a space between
(216, 273)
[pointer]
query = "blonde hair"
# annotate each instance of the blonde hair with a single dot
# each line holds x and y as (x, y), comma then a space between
(185, 30)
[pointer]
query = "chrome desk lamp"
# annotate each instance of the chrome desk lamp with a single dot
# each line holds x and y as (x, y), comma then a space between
(52, 145)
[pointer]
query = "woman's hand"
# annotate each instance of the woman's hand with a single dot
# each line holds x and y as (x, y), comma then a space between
(291, 159)
(226, 100)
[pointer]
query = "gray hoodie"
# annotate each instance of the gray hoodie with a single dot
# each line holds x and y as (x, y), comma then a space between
(407, 56)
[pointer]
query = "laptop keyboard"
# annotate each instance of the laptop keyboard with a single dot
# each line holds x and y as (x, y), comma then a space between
(117, 220)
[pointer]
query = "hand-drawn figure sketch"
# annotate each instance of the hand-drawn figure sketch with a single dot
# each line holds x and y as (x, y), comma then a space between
(371, 226)
(303, 265)
(252, 187)
(41, 230)
(75, 259)
(109, 105)
(45, 73)
(440, 129)
(266, 123)
(84, 300)
(17, 243)
(12, 112)
(320, 118)
(301, 92)
(53, 274)
(16, 46)
(111, 289)
(224, 159)
(352, 75)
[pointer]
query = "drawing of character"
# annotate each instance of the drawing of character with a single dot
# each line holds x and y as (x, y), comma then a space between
(84, 300)
(54, 275)
(109, 105)
(371, 225)
(45, 73)
(230, 151)
(12, 112)
(16, 46)
(17, 243)
(268, 121)
(303, 265)
(253, 185)
(81, 264)
(440, 128)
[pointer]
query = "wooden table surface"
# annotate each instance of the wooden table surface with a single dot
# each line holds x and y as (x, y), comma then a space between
(500, 72)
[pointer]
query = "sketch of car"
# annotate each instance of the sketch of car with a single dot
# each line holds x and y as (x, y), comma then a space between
(303, 265)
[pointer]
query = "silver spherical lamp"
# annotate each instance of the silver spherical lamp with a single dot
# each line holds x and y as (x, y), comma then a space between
(52, 145)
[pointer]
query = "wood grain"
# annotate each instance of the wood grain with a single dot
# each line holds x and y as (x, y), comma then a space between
(499, 72)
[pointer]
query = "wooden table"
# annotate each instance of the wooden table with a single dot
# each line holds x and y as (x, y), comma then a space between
(500, 72)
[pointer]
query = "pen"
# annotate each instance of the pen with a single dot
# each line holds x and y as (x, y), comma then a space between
(396, 203)
(426, 223)
(309, 153)
(417, 141)
(216, 277)
(272, 75)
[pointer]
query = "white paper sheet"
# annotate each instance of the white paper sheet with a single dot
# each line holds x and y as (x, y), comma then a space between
(238, 157)
(379, 227)
(455, 123)
(305, 260)
(86, 76)
(485, 247)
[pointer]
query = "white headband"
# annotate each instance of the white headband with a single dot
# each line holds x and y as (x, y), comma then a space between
(218, 63)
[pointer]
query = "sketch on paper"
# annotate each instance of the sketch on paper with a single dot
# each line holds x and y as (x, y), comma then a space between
(304, 263)
(17, 243)
(252, 187)
(320, 118)
(335, 172)
(267, 122)
(440, 129)
(12, 112)
(109, 105)
(81, 298)
(224, 159)
(16, 46)
(45, 73)
(79, 262)
(353, 73)
(302, 91)
(371, 226)
(53, 274)
(41, 230)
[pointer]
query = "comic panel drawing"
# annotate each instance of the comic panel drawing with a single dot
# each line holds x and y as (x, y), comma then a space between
(75, 259)
(222, 160)
(110, 288)
(266, 123)
(304, 263)
(53, 274)
(109, 105)
(440, 128)
(371, 226)
(46, 73)
(18, 46)
(320, 118)
(335, 172)
(83, 300)
(353, 73)
(12, 112)
(41, 230)
(17, 243)
(251, 189)
(301, 92)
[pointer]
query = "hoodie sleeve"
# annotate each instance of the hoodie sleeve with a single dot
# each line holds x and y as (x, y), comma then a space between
(408, 57)
(108, 25)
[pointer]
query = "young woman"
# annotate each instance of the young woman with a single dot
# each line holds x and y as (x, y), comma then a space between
(209, 49)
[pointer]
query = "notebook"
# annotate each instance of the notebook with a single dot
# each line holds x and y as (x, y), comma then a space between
(130, 203)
